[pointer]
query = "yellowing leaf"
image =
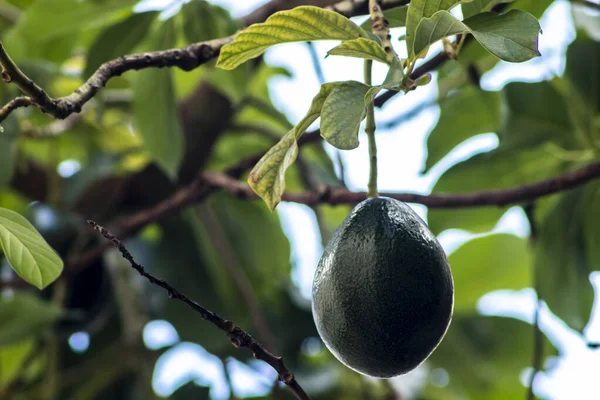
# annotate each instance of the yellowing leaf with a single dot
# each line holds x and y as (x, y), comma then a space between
(315, 108)
(305, 23)
(28, 253)
(267, 178)
(342, 113)
(361, 48)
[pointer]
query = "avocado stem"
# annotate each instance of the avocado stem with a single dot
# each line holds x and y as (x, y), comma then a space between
(370, 131)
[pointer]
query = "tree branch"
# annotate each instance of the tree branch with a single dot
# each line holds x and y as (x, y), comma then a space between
(497, 197)
(186, 58)
(238, 337)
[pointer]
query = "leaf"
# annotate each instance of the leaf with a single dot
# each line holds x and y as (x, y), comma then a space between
(360, 48)
(484, 358)
(8, 150)
(267, 178)
(488, 263)
(477, 6)
(315, 107)
(342, 113)
(395, 75)
(25, 316)
(395, 16)
(512, 36)
(566, 253)
(305, 23)
(419, 9)
(583, 71)
(117, 40)
(155, 108)
(68, 17)
(28, 253)
(497, 169)
(469, 112)
(203, 21)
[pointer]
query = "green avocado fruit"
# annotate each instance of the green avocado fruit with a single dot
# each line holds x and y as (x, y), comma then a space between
(383, 293)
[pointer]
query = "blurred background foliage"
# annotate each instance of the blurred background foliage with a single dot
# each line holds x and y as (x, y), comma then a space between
(149, 132)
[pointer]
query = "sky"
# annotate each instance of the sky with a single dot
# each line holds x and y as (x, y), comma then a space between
(401, 153)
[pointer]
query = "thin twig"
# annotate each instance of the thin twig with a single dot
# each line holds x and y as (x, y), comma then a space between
(237, 336)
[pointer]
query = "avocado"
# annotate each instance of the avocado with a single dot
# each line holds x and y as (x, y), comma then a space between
(383, 293)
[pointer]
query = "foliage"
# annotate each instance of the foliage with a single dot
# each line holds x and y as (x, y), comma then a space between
(138, 145)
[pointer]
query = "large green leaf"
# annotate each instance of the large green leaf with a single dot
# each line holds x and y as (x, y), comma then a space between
(497, 169)
(477, 6)
(267, 178)
(155, 108)
(204, 21)
(27, 251)
(583, 71)
(25, 316)
(511, 37)
(534, 113)
(566, 253)
(488, 263)
(117, 40)
(68, 17)
(465, 114)
(419, 9)
(305, 23)
(360, 48)
(484, 358)
(342, 113)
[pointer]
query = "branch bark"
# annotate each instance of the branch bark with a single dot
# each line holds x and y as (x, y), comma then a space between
(186, 58)
(238, 337)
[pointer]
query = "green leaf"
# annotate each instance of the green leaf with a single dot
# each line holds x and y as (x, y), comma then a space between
(566, 253)
(419, 9)
(493, 352)
(305, 23)
(395, 75)
(583, 71)
(497, 169)
(155, 108)
(117, 40)
(469, 112)
(203, 21)
(267, 178)
(342, 113)
(68, 17)
(25, 316)
(8, 150)
(396, 17)
(477, 6)
(488, 263)
(511, 37)
(360, 48)
(26, 250)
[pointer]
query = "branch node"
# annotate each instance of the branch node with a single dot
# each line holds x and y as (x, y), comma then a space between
(6, 77)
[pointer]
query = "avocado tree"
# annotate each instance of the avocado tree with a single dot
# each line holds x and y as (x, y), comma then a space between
(142, 159)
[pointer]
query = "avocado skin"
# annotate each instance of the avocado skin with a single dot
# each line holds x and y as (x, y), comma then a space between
(383, 293)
